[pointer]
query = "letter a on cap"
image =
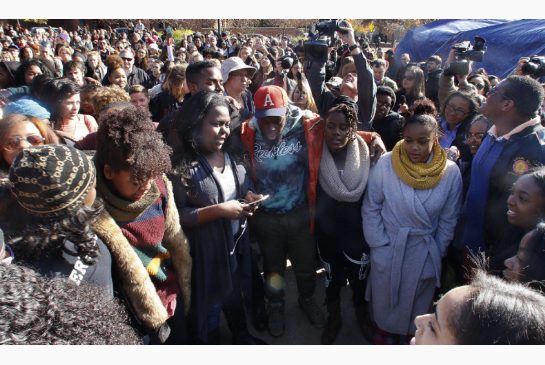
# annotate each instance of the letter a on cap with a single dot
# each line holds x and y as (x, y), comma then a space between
(268, 101)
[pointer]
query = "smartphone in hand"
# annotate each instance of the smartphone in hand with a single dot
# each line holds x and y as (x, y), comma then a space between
(258, 201)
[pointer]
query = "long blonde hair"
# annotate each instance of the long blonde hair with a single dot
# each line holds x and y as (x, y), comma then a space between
(304, 87)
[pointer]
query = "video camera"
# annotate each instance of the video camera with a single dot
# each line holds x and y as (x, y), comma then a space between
(322, 36)
(464, 53)
(535, 67)
(287, 62)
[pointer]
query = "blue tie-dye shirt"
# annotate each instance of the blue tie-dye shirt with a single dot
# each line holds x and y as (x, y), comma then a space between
(282, 168)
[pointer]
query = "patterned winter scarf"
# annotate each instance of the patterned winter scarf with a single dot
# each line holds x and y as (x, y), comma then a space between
(348, 186)
(142, 223)
(421, 176)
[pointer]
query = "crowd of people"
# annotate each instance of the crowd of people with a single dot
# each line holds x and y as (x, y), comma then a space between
(149, 185)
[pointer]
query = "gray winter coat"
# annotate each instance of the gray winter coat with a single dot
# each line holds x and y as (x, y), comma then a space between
(408, 231)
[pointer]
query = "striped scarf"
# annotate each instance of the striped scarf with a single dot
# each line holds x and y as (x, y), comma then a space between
(420, 176)
(143, 225)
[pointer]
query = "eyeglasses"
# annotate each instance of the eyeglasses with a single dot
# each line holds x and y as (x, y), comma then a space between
(459, 112)
(126, 59)
(479, 86)
(477, 136)
(408, 77)
(14, 142)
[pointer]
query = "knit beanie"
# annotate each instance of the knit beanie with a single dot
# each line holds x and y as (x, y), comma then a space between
(386, 90)
(49, 180)
(26, 107)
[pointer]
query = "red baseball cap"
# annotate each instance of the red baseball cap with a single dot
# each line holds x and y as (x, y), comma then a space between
(270, 101)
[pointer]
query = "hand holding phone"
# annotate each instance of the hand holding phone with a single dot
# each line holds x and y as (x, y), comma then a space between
(258, 201)
(253, 205)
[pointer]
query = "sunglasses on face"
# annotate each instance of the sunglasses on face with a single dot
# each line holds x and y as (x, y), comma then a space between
(15, 141)
(408, 77)
(479, 86)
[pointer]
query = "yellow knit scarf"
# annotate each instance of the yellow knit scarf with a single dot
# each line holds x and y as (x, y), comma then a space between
(419, 175)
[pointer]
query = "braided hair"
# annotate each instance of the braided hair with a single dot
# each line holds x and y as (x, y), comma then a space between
(349, 115)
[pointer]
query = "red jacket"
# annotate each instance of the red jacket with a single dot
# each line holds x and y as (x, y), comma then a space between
(314, 136)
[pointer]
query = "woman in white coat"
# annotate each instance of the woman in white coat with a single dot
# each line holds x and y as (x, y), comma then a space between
(409, 214)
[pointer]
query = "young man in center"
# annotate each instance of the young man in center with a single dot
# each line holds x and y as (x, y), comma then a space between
(285, 145)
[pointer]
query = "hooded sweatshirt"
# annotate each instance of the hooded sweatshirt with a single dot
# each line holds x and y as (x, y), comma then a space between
(282, 167)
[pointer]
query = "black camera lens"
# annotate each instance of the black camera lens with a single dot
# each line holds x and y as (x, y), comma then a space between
(286, 63)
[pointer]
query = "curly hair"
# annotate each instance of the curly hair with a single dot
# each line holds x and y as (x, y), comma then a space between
(127, 140)
(43, 311)
(349, 115)
(113, 62)
(107, 95)
(424, 106)
(33, 238)
(188, 120)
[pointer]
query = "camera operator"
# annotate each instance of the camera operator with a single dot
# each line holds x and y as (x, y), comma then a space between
(533, 67)
(358, 84)
(520, 63)
(447, 83)
(280, 77)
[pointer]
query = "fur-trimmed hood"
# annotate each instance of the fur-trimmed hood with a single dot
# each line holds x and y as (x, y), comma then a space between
(135, 281)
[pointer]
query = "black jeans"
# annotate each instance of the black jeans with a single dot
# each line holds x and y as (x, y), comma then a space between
(339, 269)
(283, 236)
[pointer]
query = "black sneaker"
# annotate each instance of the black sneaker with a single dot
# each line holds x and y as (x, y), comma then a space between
(277, 322)
(313, 312)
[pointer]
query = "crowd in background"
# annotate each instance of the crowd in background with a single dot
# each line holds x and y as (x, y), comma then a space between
(150, 185)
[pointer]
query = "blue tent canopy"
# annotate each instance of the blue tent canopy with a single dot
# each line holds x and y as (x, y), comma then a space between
(507, 41)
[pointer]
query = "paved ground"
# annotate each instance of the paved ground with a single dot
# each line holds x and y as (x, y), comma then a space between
(298, 329)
